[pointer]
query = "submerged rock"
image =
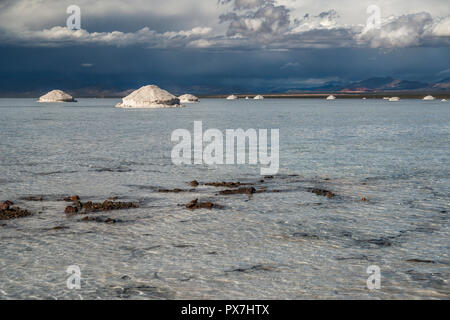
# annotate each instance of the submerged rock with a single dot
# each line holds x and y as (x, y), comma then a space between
(101, 219)
(322, 192)
(188, 98)
(176, 190)
(70, 210)
(56, 96)
(250, 190)
(8, 212)
(150, 96)
(72, 198)
(194, 204)
(6, 204)
(107, 205)
(194, 183)
(227, 184)
(420, 261)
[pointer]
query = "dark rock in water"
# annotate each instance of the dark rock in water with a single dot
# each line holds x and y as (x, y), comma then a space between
(125, 277)
(72, 198)
(5, 205)
(194, 204)
(194, 183)
(106, 206)
(12, 212)
(322, 192)
(258, 267)
(268, 177)
(420, 261)
(171, 190)
(33, 198)
(100, 219)
(305, 235)
(70, 210)
(382, 242)
(110, 221)
(60, 228)
(227, 184)
(250, 190)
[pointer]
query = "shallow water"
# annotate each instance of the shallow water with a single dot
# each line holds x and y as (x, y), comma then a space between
(290, 244)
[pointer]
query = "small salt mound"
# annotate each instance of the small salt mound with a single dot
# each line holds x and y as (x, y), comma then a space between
(150, 96)
(188, 98)
(258, 97)
(444, 100)
(246, 98)
(331, 97)
(232, 97)
(394, 99)
(428, 98)
(56, 96)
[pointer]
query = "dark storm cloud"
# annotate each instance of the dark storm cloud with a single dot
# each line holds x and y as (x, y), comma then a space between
(206, 71)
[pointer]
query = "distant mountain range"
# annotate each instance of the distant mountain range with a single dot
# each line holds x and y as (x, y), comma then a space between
(371, 85)
(380, 84)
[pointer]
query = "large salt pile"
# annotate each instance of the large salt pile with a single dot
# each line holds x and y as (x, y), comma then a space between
(150, 96)
(331, 97)
(394, 99)
(428, 98)
(232, 97)
(56, 96)
(188, 98)
(258, 97)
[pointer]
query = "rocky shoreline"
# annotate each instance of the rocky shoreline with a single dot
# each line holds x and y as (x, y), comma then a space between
(226, 188)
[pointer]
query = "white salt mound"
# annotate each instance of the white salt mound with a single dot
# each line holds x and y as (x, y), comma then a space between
(56, 96)
(150, 96)
(258, 97)
(394, 99)
(444, 100)
(188, 98)
(428, 98)
(232, 97)
(331, 97)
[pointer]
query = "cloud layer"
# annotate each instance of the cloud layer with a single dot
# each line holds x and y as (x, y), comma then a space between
(269, 24)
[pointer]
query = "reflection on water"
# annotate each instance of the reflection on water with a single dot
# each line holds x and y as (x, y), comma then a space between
(280, 242)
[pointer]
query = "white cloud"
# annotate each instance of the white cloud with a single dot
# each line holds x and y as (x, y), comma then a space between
(324, 20)
(406, 31)
(441, 27)
(58, 36)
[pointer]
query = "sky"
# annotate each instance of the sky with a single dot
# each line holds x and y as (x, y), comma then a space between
(220, 46)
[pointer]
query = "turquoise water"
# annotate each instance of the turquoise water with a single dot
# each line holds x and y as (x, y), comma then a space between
(290, 244)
